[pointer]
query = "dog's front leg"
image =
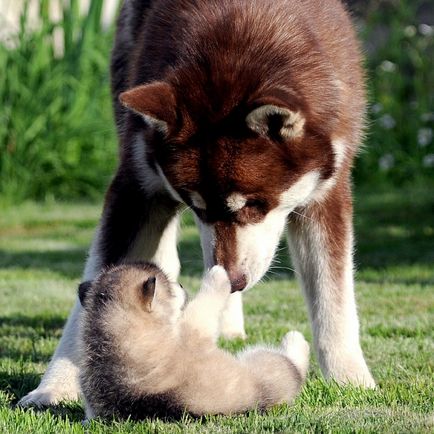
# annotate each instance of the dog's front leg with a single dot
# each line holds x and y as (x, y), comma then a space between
(321, 242)
(135, 225)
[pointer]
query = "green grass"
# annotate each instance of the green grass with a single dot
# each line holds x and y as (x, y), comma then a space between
(42, 250)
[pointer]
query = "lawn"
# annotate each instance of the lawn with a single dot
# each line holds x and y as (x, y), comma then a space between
(42, 251)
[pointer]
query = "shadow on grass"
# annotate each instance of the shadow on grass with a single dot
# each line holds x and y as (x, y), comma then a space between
(46, 323)
(395, 229)
(19, 383)
(392, 229)
(67, 262)
(29, 330)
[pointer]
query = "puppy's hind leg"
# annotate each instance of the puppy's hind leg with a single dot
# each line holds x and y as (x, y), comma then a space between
(279, 372)
(203, 313)
(89, 414)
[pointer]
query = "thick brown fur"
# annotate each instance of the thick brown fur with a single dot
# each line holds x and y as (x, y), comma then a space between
(221, 61)
(211, 62)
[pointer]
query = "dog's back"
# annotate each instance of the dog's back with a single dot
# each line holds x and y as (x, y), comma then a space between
(223, 51)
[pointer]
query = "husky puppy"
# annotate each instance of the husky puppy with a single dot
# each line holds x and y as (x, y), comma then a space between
(142, 355)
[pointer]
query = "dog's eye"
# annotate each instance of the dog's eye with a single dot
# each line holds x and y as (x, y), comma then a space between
(254, 203)
(253, 211)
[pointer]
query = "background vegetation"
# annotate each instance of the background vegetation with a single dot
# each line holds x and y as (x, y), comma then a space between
(56, 130)
(57, 135)
(400, 66)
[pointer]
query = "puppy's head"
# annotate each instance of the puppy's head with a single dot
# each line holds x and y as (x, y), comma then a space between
(136, 290)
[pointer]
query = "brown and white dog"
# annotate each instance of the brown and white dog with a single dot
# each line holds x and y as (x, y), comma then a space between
(250, 112)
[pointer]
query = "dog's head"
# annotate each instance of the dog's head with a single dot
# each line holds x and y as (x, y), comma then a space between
(242, 164)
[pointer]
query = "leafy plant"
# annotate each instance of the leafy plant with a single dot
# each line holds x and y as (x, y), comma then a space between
(400, 63)
(56, 128)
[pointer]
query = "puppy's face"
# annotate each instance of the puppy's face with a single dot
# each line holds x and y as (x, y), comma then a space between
(134, 292)
(242, 168)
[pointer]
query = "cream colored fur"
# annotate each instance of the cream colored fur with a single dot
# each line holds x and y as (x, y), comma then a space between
(60, 380)
(182, 355)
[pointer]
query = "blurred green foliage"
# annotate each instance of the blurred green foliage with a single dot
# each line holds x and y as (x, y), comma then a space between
(400, 69)
(56, 130)
(57, 136)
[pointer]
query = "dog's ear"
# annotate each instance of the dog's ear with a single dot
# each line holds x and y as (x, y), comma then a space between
(155, 102)
(83, 289)
(277, 116)
(149, 291)
(275, 121)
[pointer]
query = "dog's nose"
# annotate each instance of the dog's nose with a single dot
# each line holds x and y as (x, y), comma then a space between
(238, 281)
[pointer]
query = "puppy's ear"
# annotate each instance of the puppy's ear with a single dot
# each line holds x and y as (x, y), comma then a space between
(155, 102)
(83, 289)
(149, 291)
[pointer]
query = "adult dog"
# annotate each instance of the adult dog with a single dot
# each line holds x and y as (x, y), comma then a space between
(250, 112)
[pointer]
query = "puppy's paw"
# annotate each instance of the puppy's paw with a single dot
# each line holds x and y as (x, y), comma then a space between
(216, 280)
(233, 334)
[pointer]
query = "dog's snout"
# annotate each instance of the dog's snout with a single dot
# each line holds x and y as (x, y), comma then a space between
(238, 281)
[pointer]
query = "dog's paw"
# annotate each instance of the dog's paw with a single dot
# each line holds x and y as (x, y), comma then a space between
(46, 397)
(216, 280)
(354, 372)
(346, 365)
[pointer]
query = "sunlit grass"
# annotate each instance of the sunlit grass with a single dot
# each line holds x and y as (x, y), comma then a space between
(42, 250)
